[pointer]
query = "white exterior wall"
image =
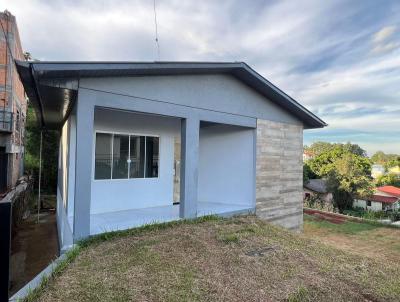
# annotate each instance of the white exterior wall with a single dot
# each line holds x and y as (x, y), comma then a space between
(65, 191)
(217, 92)
(111, 195)
(359, 203)
(226, 165)
(71, 168)
(375, 206)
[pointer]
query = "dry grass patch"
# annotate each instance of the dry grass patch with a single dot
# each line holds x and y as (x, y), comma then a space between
(238, 259)
(370, 240)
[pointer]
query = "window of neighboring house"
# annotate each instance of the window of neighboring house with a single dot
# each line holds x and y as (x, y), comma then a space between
(123, 156)
(368, 203)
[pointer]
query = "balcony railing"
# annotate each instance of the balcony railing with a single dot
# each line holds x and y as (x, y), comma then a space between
(6, 121)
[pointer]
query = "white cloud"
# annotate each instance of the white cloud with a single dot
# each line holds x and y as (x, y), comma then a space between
(381, 41)
(383, 34)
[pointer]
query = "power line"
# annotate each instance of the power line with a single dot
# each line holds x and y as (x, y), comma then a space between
(156, 28)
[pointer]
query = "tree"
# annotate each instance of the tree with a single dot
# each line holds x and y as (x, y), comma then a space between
(353, 173)
(49, 153)
(379, 157)
(347, 171)
(355, 149)
(387, 160)
(318, 148)
(308, 173)
(393, 162)
(390, 179)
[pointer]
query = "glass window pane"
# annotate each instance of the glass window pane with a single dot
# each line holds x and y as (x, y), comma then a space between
(102, 169)
(120, 156)
(152, 156)
(137, 157)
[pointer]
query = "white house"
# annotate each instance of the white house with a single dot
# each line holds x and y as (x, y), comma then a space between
(147, 142)
(385, 198)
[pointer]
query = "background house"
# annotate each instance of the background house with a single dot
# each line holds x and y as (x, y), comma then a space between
(377, 170)
(127, 128)
(317, 188)
(13, 104)
(307, 154)
(386, 198)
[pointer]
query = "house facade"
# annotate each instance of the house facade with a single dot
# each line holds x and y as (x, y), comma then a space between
(13, 104)
(317, 188)
(147, 142)
(385, 198)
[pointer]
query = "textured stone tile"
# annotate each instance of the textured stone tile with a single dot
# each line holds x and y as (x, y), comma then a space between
(279, 180)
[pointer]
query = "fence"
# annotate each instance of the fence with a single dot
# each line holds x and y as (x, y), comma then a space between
(14, 207)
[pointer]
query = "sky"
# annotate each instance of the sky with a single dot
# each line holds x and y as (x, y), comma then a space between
(340, 59)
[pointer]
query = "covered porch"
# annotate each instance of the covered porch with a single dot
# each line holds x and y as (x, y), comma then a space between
(147, 168)
(124, 194)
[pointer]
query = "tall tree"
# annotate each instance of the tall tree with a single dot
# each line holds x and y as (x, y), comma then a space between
(347, 170)
(387, 160)
(390, 179)
(319, 147)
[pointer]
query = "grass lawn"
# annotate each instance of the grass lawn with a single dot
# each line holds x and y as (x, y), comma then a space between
(371, 240)
(238, 259)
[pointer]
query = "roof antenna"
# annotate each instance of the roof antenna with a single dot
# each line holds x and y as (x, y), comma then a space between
(155, 23)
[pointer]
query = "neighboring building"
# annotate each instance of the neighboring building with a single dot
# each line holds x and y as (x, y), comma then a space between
(377, 170)
(388, 191)
(386, 198)
(12, 105)
(317, 188)
(307, 155)
(236, 140)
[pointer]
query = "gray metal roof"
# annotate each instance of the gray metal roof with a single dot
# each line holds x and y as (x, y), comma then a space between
(317, 185)
(54, 101)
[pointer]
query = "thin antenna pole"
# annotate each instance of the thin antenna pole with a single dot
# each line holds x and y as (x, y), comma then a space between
(40, 175)
(156, 28)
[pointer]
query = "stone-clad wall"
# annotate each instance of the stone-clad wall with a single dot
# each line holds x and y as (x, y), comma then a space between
(279, 180)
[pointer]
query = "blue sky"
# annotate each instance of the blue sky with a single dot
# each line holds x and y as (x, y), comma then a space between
(341, 59)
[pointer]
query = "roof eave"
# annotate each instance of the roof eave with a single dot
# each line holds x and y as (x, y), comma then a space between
(40, 70)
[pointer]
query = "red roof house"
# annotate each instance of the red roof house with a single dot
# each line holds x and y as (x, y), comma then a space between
(385, 198)
(390, 190)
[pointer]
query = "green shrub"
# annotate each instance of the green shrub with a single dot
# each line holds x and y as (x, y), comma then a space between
(395, 216)
(366, 214)
(316, 202)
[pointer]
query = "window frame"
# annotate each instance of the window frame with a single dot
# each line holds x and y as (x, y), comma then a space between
(112, 133)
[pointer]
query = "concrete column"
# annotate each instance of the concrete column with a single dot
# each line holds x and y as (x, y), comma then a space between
(83, 164)
(190, 128)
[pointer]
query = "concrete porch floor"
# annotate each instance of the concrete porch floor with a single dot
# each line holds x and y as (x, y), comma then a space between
(121, 220)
